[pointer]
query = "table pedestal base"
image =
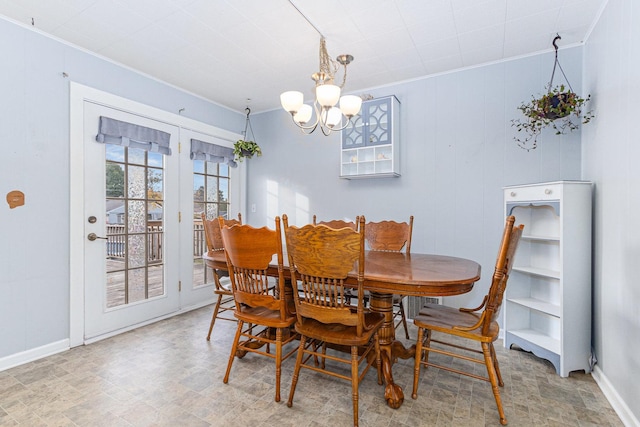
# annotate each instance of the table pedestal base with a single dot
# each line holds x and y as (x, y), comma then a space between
(390, 349)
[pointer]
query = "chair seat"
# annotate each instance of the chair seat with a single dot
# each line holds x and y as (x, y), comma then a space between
(264, 316)
(337, 333)
(441, 318)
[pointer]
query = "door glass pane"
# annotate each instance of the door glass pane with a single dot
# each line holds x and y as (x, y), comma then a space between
(115, 180)
(136, 253)
(115, 152)
(210, 195)
(137, 285)
(212, 189)
(134, 202)
(136, 156)
(136, 216)
(154, 184)
(198, 166)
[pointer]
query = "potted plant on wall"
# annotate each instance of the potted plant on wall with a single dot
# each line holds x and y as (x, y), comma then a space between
(560, 108)
(245, 148)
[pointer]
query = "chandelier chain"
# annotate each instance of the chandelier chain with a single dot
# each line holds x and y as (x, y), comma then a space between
(327, 65)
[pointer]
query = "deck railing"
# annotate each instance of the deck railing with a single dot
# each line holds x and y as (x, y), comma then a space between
(116, 240)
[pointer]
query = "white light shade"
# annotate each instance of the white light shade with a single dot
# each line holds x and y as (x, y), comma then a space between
(327, 95)
(350, 105)
(303, 115)
(334, 116)
(291, 101)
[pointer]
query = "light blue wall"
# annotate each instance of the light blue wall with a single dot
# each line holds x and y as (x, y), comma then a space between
(457, 153)
(611, 156)
(34, 136)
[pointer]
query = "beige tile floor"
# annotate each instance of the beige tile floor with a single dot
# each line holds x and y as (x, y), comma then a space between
(167, 374)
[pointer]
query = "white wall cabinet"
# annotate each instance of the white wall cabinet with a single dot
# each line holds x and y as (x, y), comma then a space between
(370, 147)
(547, 308)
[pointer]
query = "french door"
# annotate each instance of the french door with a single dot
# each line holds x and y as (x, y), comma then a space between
(136, 237)
(131, 227)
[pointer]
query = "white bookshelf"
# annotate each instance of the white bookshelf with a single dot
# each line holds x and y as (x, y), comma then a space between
(547, 307)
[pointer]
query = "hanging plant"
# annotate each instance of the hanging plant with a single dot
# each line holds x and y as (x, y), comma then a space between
(560, 108)
(244, 148)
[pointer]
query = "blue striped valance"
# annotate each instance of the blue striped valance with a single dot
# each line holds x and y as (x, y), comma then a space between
(116, 132)
(206, 151)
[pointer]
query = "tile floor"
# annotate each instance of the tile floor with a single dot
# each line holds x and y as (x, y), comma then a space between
(167, 374)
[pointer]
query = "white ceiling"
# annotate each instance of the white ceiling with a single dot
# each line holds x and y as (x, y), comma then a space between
(229, 51)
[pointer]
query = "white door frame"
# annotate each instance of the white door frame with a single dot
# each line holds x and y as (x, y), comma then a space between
(78, 94)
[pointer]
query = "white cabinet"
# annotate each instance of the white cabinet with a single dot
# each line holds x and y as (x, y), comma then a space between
(370, 147)
(547, 308)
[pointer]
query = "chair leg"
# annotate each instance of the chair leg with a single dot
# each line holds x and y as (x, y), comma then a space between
(417, 363)
(215, 315)
(354, 383)
(427, 344)
(496, 364)
(234, 348)
(404, 319)
(278, 361)
(296, 371)
(488, 360)
(378, 361)
(324, 352)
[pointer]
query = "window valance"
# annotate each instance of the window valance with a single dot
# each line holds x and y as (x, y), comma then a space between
(214, 153)
(116, 132)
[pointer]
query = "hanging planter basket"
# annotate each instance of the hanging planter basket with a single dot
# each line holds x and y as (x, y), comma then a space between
(246, 148)
(557, 105)
(560, 108)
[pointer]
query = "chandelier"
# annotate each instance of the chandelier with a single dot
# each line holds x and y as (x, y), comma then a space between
(328, 116)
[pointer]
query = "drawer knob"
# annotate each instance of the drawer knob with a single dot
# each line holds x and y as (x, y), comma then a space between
(547, 191)
(513, 194)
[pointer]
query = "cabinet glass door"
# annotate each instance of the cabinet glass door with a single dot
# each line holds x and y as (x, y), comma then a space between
(377, 122)
(352, 135)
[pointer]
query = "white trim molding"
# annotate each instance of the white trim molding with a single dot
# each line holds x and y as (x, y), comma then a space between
(30, 355)
(622, 409)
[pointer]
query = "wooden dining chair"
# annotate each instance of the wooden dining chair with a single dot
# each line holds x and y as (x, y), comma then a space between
(320, 259)
(249, 251)
(223, 291)
(478, 324)
(392, 236)
(338, 223)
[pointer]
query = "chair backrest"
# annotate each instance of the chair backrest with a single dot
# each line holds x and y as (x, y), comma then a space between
(389, 236)
(504, 263)
(320, 259)
(249, 253)
(338, 223)
(212, 231)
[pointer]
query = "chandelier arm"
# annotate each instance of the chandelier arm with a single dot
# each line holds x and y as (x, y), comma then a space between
(308, 131)
(344, 76)
(303, 127)
(309, 127)
(338, 129)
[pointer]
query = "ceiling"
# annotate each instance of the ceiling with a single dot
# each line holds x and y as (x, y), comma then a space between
(229, 51)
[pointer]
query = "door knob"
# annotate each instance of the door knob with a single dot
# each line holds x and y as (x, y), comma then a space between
(93, 236)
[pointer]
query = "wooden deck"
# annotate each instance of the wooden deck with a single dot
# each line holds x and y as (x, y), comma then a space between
(137, 292)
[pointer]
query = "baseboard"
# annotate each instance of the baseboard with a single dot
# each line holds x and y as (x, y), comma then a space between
(622, 409)
(27, 356)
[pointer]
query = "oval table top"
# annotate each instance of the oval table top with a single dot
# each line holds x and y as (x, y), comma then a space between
(406, 274)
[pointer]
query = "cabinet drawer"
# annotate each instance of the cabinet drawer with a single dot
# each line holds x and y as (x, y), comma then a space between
(534, 192)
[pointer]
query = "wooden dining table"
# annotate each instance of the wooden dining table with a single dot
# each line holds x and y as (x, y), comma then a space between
(389, 273)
